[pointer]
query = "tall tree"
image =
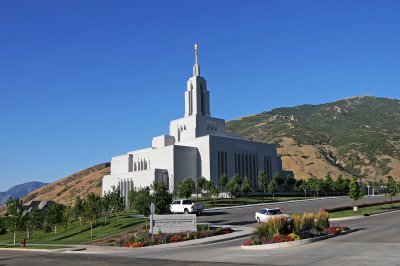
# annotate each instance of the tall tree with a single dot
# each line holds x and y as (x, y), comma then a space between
(273, 188)
(79, 211)
(116, 202)
(262, 182)
(91, 207)
(392, 188)
(161, 197)
(14, 216)
(185, 187)
(355, 192)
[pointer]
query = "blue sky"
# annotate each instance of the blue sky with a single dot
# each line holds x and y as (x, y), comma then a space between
(82, 81)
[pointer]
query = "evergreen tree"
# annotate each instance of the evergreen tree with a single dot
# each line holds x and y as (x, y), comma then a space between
(290, 181)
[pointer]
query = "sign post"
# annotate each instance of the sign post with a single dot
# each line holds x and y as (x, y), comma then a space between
(152, 210)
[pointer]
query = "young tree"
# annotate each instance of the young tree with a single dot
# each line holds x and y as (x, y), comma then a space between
(246, 185)
(54, 215)
(262, 182)
(200, 184)
(161, 197)
(185, 187)
(142, 201)
(214, 192)
(117, 204)
(315, 185)
(303, 185)
(105, 204)
(79, 211)
(327, 184)
(233, 186)
(355, 192)
(290, 181)
(273, 188)
(14, 216)
(91, 207)
(279, 180)
(67, 214)
(35, 219)
(223, 181)
(392, 188)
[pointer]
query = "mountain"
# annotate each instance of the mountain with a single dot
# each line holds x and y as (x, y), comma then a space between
(359, 135)
(19, 191)
(68, 188)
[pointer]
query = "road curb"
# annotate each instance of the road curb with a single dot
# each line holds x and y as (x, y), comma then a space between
(294, 243)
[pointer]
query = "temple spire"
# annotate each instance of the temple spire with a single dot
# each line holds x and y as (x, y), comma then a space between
(196, 67)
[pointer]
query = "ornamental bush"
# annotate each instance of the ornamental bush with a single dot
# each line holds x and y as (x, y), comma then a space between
(307, 221)
(322, 220)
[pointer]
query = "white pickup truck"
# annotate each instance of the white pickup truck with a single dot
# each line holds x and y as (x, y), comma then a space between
(186, 206)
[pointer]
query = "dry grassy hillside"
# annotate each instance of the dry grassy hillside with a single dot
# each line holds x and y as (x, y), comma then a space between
(76, 185)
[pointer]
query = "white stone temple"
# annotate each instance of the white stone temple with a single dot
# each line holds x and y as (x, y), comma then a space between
(197, 145)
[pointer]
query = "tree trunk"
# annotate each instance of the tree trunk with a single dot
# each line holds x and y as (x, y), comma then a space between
(80, 222)
(91, 229)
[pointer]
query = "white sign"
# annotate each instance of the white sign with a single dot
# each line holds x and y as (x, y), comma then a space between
(152, 208)
(174, 223)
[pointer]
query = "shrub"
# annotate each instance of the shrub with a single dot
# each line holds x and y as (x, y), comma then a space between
(307, 222)
(264, 230)
(322, 220)
(297, 222)
(278, 224)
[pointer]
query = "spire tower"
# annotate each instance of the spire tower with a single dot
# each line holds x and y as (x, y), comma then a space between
(196, 67)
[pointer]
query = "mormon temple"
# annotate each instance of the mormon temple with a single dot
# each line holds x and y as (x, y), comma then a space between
(197, 145)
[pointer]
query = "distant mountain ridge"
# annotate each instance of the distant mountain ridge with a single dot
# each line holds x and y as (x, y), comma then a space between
(19, 191)
(358, 135)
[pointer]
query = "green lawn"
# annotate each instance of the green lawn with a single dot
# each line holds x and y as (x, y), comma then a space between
(74, 234)
(366, 210)
(209, 203)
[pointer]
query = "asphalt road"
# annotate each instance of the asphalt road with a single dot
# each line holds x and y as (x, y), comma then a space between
(245, 216)
(376, 242)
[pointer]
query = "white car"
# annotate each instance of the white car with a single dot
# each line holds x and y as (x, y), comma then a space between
(186, 206)
(265, 214)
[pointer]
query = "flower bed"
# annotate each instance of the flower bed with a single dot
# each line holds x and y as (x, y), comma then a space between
(142, 238)
(280, 229)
